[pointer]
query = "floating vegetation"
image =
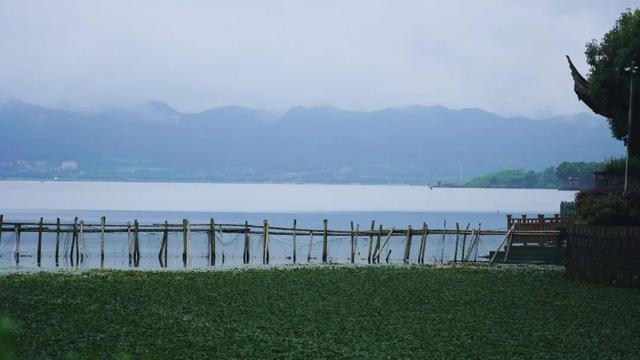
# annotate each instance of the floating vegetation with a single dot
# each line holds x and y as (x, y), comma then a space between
(320, 312)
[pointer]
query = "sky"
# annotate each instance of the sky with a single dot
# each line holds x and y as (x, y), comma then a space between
(502, 56)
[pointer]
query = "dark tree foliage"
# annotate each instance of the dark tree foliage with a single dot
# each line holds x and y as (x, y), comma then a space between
(581, 170)
(608, 81)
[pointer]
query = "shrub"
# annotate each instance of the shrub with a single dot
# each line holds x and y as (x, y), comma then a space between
(597, 207)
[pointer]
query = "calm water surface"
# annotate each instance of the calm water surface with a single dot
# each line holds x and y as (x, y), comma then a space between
(388, 205)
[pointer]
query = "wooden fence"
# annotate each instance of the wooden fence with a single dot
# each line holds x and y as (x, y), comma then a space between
(466, 239)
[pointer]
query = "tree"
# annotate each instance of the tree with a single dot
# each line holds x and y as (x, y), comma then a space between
(606, 89)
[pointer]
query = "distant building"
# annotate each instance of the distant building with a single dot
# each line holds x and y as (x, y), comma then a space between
(69, 165)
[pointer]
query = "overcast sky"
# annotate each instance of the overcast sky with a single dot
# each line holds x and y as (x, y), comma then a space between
(502, 56)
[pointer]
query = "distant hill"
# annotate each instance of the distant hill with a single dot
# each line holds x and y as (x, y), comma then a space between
(416, 144)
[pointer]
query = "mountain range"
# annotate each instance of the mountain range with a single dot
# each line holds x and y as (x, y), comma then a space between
(414, 144)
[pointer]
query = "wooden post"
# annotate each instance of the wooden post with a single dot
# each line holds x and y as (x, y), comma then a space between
(39, 254)
(1, 221)
(17, 230)
(129, 242)
(324, 241)
(166, 243)
(293, 256)
(212, 242)
(77, 244)
(407, 246)
(222, 256)
(189, 242)
(468, 251)
(80, 241)
(506, 254)
(444, 233)
(495, 254)
(185, 240)
(423, 240)
(475, 258)
(103, 222)
(163, 244)
(421, 247)
(386, 240)
(57, 240)
(310, 244)
(373, 227)
(136, 243)
(386, 259)
(455, 253)
(246, 254)
(353, 248)
(464, 242)
(265, 241)
(74, 238)
(376, 259)
(356, 242)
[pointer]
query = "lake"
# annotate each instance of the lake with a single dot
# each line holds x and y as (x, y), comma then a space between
(388, 205)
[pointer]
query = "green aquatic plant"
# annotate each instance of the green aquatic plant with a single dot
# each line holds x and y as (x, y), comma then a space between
(321, 312)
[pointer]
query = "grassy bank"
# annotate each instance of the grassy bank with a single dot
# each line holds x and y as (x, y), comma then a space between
(320, 313)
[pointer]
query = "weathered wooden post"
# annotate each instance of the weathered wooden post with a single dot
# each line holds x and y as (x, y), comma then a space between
(129, 243)
(386, 240)
(185, 241)
(444, 234)
(356, 240)
(423, 240)
(467, 251)
(212, 242)
(17, 230)
(373, 227)
(163, 245)
(74, 238)
(77, 244)
(310, 244)
(325, 241)
(455, 252)
(222, 256)
(103, 222)
(246, 254)
(80, 241)
(506, 238)
(57, 240)
(510, 236)
(464, 243)
(265, 236)
(293, 256)
(136, 243)
(376, 259)
(475, 258)
(166, 243)
(353, 247)
(407, 246)
(39, 253)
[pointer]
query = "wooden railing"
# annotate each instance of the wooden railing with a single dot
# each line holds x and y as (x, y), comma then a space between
(540, 219)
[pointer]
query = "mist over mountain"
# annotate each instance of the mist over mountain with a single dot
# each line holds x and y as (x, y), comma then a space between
(415, 144)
